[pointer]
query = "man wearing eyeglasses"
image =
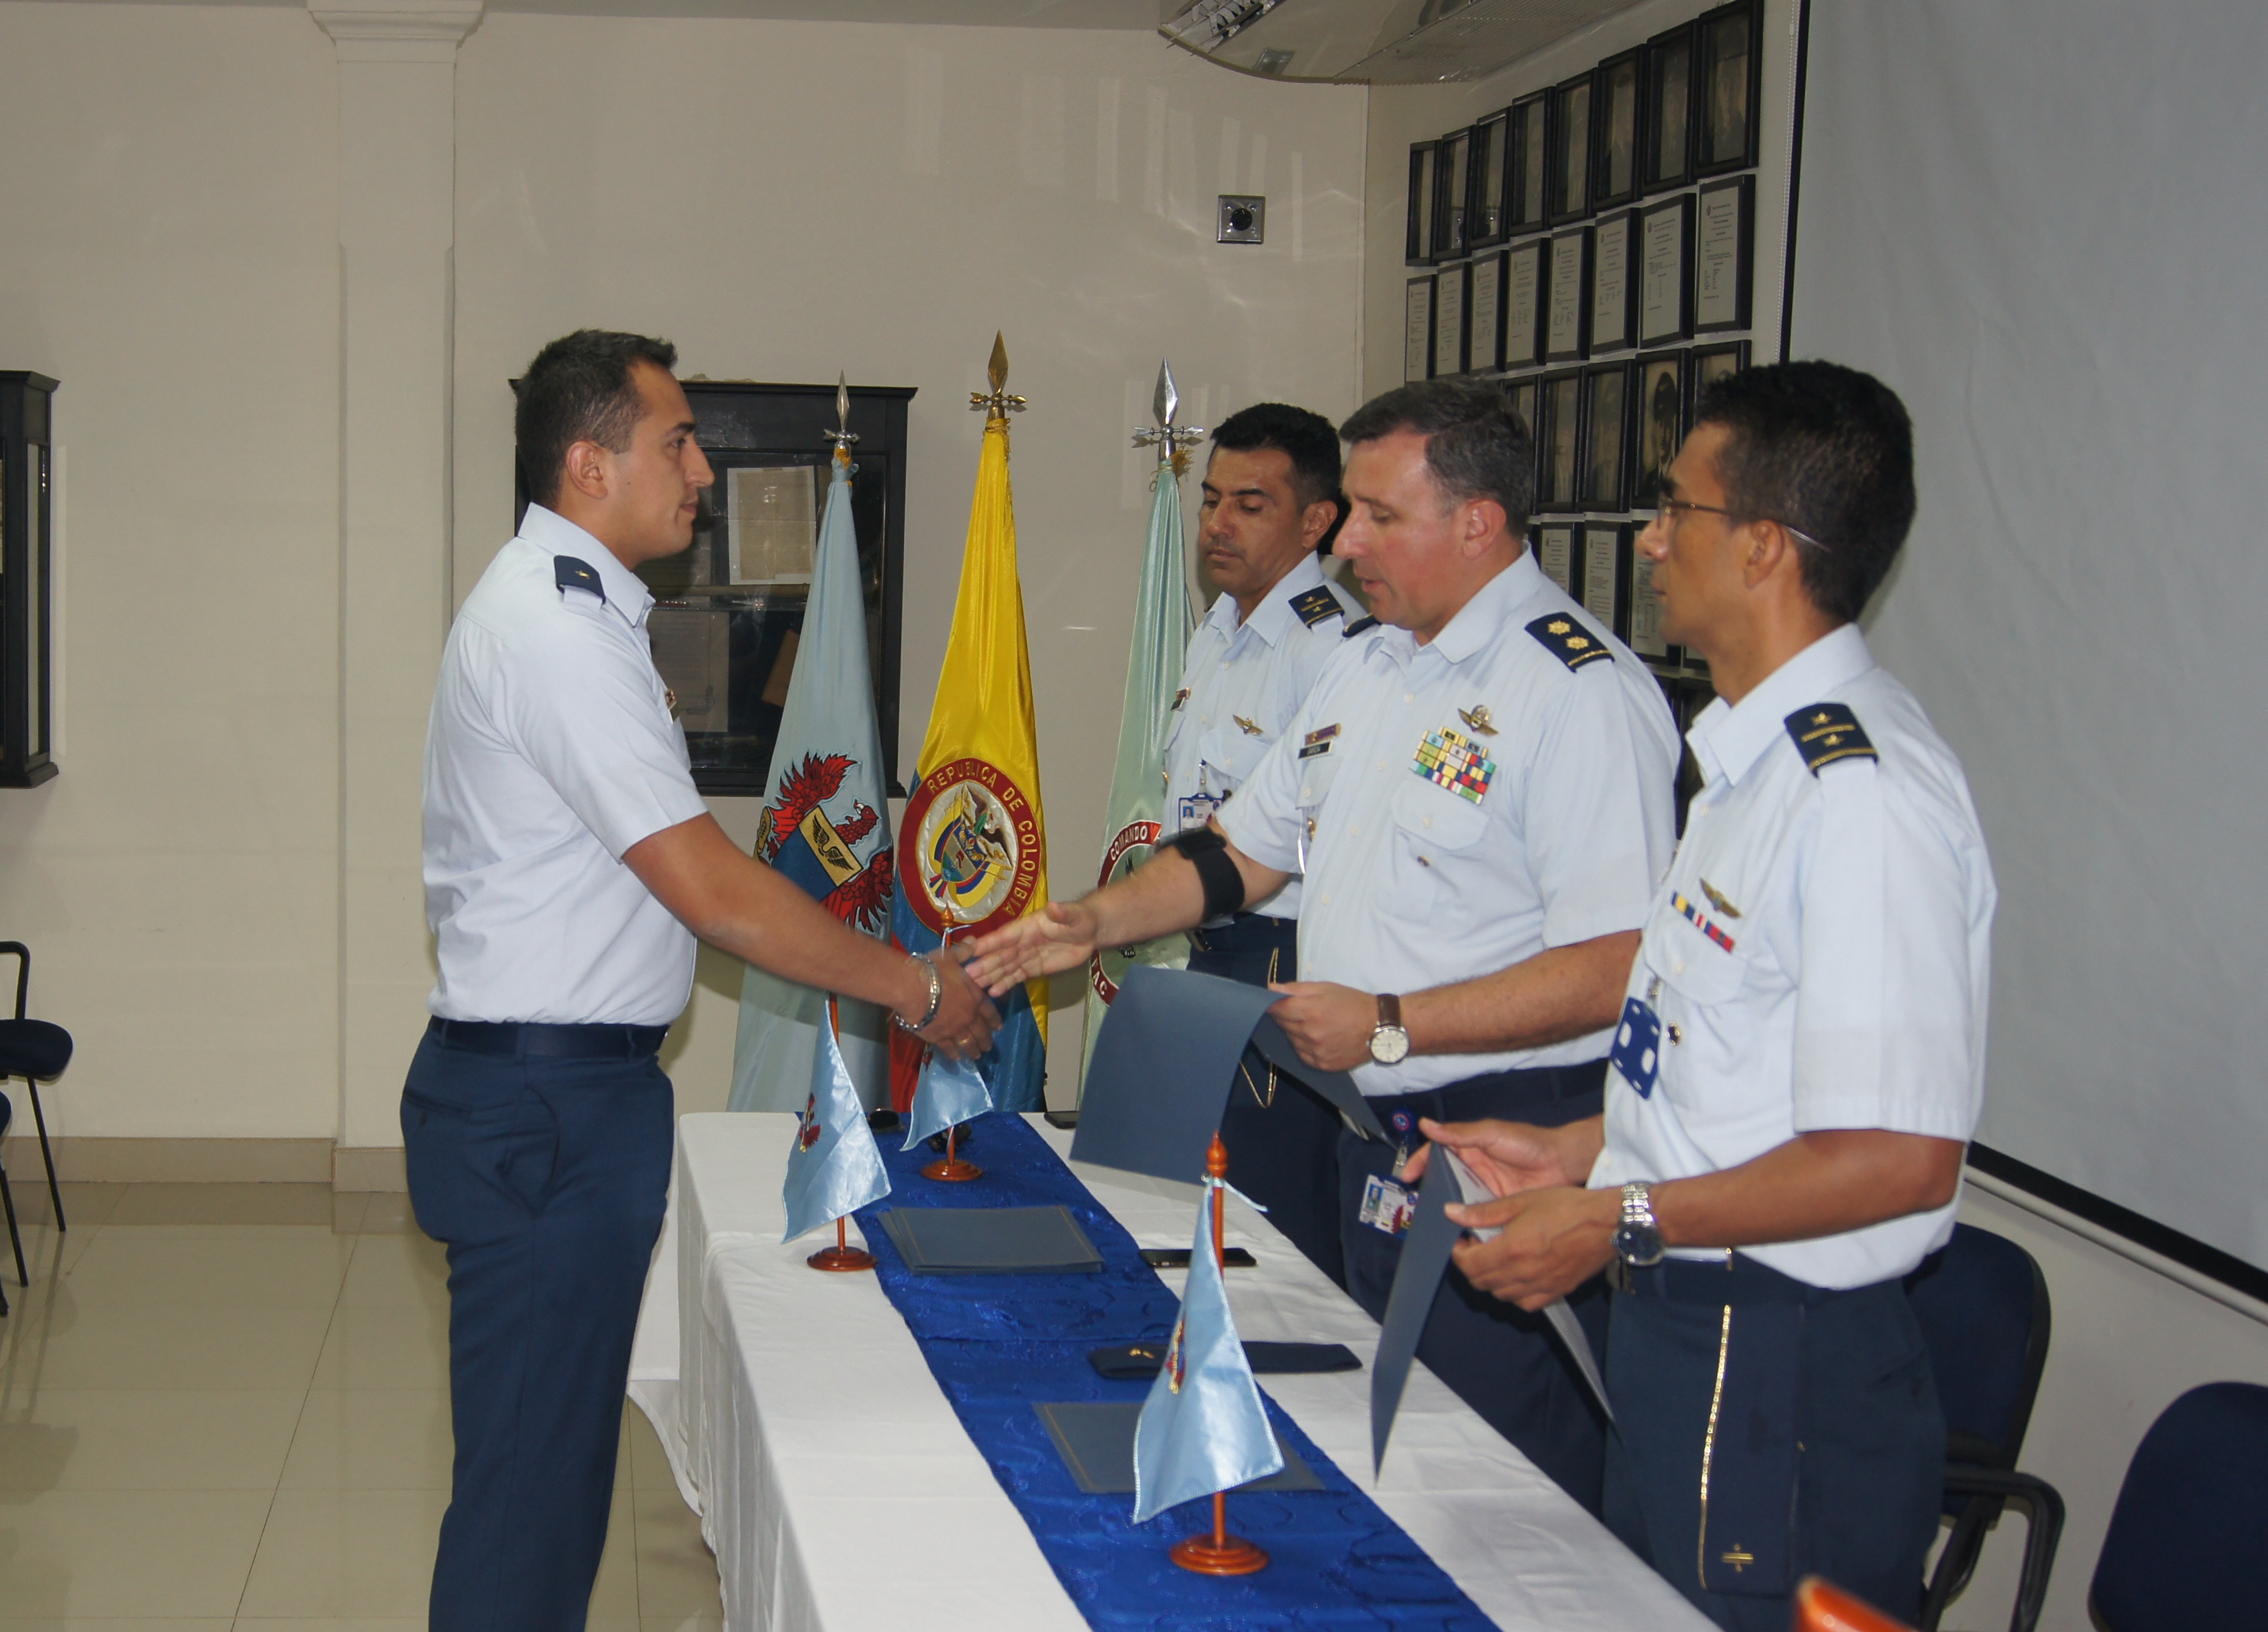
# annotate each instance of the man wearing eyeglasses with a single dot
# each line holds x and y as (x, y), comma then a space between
(1800, 1062)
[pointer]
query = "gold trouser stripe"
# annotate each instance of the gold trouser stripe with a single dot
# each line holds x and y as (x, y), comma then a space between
(1245, 1071)
(1709, 1448)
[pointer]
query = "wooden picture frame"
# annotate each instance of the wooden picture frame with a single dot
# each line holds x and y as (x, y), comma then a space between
(1568, 310)
(1724, 254)
(1417, 247)
(1661, 412)
(1418, 330)
(1619, 130)
(1665, 275)
(1614, 273)
(1487, 221)
(1572, 124)
(1729, 69)
(1453, 186)
(1528, 179)
(1710, 364)
(1609, 391)
(1526, 301)
(1559, 438)
(1673, 105)
(1604, 588)
(1452, 284)
(1485, 325)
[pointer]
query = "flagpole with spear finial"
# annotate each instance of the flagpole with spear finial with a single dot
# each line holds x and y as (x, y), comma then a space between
(1172, 442)
(842, 1257)
(998, 403)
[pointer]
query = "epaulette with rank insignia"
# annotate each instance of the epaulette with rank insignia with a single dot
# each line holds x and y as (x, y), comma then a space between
(1314, 605)
(568, 573)
(1827, 732)
(1357, 627)
(1568, 640)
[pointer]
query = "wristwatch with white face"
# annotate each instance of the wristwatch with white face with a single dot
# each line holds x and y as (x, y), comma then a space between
(1389, 1044)
(1638, 1239)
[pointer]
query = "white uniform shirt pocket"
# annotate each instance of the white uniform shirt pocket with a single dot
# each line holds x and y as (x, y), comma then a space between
(1434, 831)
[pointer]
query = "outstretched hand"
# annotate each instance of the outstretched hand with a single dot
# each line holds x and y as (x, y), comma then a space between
(964, 1021)
(1506, 1157)
(1061, 936)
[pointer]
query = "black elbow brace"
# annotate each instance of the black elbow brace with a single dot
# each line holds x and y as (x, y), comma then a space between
(1208, 851)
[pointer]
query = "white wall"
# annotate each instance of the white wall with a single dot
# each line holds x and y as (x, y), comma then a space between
(786, 200)
(170, 254)
(790, 201)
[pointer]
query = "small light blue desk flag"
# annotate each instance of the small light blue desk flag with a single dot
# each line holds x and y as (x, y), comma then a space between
(950, 1092)
(1204, 1428)
(834, 1168)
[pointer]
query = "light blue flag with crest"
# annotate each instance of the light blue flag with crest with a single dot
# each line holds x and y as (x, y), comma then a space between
(835, 1167)
(826, 827)
(950, 1092)
(1204, 1428)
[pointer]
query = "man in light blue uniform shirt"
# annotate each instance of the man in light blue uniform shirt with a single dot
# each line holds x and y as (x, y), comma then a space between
(1800, 1058)
(1479, 793)
(569, 863)
(1271, 508)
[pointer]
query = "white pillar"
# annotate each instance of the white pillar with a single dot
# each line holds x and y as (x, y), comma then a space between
(397, 207)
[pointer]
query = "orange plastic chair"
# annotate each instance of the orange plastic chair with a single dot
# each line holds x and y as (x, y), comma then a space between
(1822, 1606)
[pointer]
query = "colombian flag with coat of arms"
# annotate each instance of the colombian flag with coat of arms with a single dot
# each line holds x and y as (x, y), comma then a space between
(972, 849)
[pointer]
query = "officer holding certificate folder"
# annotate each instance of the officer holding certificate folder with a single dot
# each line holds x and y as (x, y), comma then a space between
(1800, 1057)
(1480, 781)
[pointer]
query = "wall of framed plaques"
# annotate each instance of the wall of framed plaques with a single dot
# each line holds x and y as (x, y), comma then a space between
(1605, 234)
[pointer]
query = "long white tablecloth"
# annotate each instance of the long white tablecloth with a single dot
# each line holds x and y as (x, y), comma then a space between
(840, 1492)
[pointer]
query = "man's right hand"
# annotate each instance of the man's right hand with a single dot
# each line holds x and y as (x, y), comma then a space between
(1064, 935)
(1511, 1156)
(964, 1021)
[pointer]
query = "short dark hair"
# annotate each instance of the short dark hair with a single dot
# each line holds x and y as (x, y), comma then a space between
(1826, 450)
(1303, 437)
(1475, 445)
(582, 387)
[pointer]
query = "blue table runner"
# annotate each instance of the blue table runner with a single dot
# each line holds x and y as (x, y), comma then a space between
(1000, 1344)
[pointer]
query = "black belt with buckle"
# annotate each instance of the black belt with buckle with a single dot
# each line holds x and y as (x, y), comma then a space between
(526, 1040)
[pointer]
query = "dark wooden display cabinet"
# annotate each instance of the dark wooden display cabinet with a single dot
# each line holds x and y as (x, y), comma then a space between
(27, 578)
(728, 613)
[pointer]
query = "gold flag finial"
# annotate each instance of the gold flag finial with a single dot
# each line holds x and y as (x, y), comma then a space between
(1171, 441)
(998, 405)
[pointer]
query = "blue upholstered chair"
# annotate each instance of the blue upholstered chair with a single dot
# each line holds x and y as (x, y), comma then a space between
(37, 1051)
(2188, 1544)
(1983, 1306)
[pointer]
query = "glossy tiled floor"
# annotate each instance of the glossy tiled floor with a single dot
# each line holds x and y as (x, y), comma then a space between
(227, 1405)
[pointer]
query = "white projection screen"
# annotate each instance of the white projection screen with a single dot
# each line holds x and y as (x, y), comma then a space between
(2045, 224)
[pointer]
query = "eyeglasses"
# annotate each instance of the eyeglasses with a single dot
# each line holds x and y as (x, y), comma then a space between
(1671, 508)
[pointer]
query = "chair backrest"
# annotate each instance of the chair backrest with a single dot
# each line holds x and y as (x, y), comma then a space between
(2188, 1543)
(1982, 1307)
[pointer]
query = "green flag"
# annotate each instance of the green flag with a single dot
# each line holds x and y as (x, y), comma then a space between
(1163, 622)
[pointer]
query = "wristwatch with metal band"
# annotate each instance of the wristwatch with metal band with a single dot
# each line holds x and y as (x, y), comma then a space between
(1389, 1043)
(1638, 1239)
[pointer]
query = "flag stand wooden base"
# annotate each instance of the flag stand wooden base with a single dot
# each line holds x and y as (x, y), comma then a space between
(841, 1258)
(1219, 1553)
(952, 1170)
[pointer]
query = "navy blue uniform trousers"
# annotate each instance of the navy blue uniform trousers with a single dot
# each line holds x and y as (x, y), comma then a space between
(1828, 1450)
(545, 1177)
(1282, 1137)
(1501, 1361)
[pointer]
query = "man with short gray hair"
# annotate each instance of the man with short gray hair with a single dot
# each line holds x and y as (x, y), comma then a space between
(1479, 792)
